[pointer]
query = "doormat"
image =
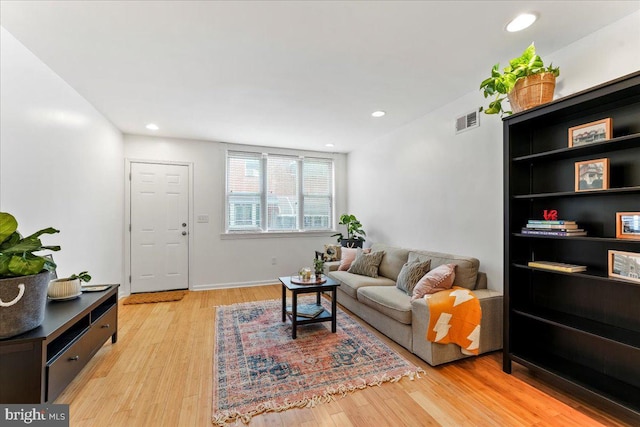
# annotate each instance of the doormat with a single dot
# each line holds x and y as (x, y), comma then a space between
(146, 298)
(259, 368)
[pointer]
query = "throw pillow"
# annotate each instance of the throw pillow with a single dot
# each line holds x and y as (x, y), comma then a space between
(439, 279)
(332, 253)
(410, 274)
(367, 264)
(348, 255)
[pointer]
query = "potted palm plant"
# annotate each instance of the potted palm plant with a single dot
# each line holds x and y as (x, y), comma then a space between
(24, 277)
(355, 233)
(526, 82)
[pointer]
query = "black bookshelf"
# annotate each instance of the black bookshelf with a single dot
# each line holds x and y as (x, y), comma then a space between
(581, 331)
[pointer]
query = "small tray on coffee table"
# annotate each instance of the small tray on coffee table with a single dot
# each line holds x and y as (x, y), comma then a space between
(314, 280)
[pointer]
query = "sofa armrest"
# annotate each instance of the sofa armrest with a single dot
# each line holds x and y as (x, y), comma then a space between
(331, 266)
(491, 323)
(492, 305)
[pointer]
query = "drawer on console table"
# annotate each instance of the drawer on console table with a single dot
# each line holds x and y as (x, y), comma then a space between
(66, 366)
(101, 329)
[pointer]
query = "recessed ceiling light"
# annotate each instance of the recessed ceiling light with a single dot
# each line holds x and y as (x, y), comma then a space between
(378, 113)
(152, 126)
(328, 145)
(520, 22)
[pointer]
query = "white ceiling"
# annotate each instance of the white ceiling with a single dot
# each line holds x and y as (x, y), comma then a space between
(283, 73)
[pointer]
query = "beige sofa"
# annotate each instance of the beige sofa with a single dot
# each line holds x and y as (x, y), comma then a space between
(391, 311)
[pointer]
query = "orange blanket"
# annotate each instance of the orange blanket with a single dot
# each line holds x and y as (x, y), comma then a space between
(455, 316)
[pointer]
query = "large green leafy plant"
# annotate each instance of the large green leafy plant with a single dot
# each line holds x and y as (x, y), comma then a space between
(17, 256)
(527, 64)
(354, 228)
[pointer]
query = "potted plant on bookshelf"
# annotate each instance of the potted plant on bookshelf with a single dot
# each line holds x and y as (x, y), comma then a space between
(526, 82)
(24, 277)
(355, 233)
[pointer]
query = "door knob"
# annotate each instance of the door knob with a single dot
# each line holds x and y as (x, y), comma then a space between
(184, 224)
(184, 233)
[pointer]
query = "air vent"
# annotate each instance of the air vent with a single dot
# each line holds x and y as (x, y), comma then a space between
(468, 121)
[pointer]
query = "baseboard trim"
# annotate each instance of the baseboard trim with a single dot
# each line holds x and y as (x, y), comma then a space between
(209, 287)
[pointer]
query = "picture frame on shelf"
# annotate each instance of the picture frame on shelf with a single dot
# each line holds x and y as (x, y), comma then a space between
(624, 265)
(590, 133)
(592, 175)
(628, 225)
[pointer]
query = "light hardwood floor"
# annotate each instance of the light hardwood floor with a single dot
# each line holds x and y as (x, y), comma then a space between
(159, 373)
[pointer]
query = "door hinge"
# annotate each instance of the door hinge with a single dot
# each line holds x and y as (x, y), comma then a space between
(129, 279)
(129, 176)
(129, 227)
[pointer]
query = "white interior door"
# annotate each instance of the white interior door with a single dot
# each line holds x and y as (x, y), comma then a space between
(159, 227)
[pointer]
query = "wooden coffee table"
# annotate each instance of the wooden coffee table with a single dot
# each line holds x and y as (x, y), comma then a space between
(325, 316)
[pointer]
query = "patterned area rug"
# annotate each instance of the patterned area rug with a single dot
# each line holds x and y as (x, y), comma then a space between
(259, 368)
(146, 298)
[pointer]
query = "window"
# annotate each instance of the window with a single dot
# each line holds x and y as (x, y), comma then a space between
(244, 189)
(282, 192)
(292, 193)
(317, 188)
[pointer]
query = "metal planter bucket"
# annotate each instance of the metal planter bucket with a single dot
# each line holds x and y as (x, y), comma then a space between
(22, 303)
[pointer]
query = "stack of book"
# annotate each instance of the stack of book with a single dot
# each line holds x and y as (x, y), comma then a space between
(307, 310)
(563, 228)
(557, 266)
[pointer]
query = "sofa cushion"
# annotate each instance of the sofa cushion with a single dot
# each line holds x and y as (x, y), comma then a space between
(410, 274)
(350, 283)
(348, 255)
(393, 260)
(466, 267)
(332, 253)
(388, 300)
(366, 264)
(439, 279)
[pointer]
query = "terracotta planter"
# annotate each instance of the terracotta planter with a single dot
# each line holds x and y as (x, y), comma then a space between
(532, 91)
(22, 303)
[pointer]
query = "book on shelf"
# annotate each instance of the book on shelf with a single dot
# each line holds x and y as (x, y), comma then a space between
(553, 226)
(568, 230)
(307, 310)
(554, 222)
(557, 266)
(566, 233)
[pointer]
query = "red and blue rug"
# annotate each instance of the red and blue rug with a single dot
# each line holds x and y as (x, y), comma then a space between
(259, 368)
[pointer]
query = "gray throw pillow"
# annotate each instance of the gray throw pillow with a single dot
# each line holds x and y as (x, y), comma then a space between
(410, 274)
(367, 264)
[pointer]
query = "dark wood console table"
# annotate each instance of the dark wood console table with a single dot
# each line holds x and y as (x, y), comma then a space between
(35, 367)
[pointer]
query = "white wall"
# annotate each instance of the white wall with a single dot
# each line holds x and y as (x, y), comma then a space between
(424, 187)
(216, 260)
(60, 165)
